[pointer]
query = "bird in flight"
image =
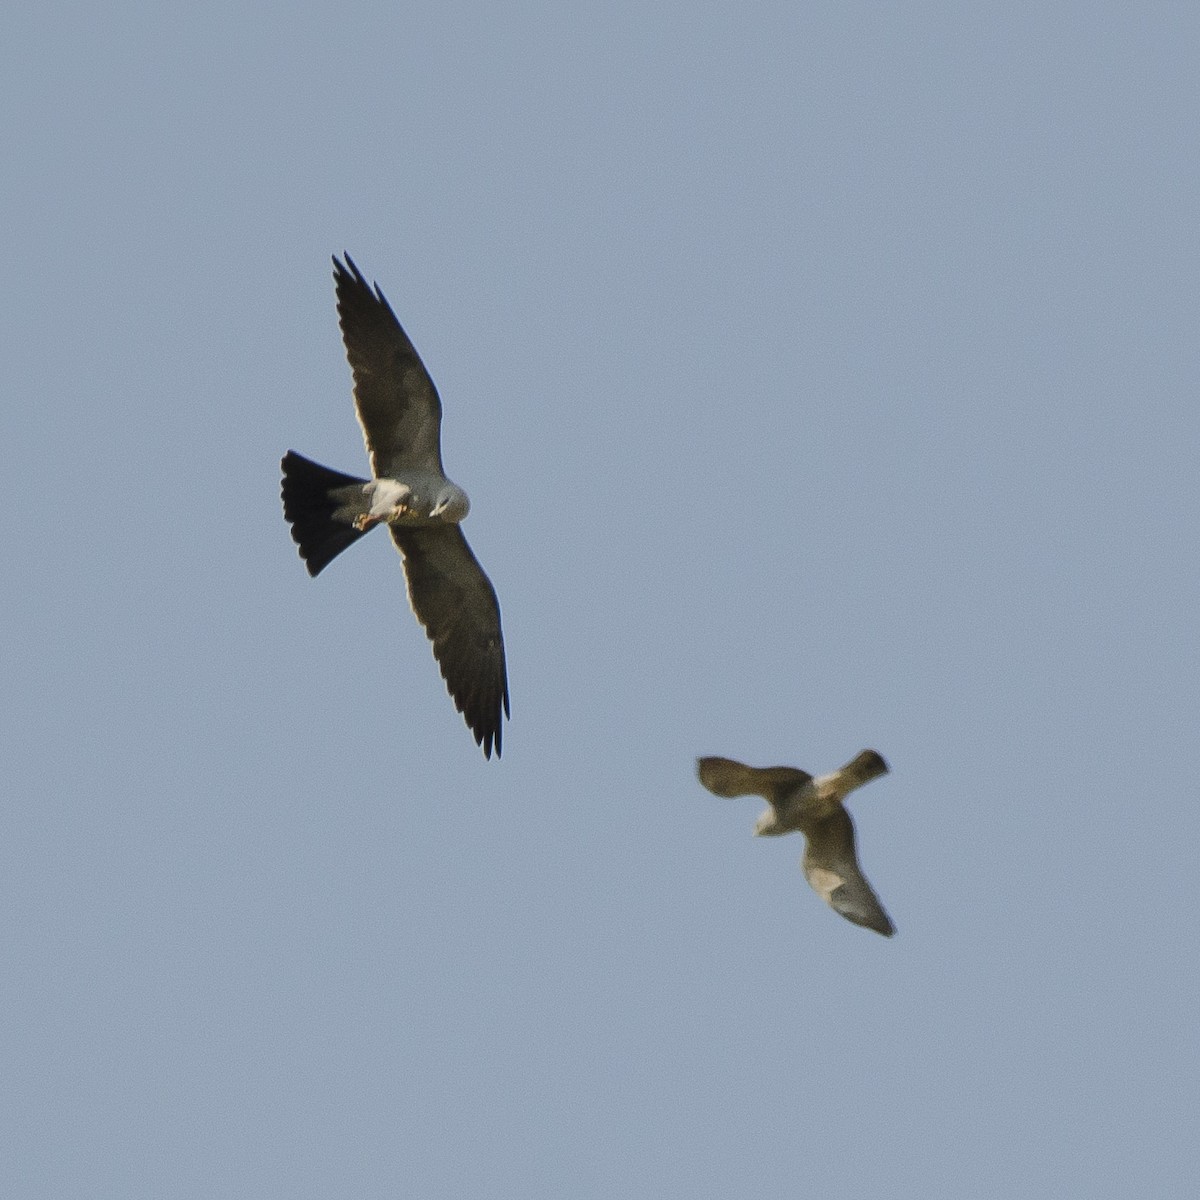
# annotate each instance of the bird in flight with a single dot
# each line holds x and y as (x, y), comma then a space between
(813, 807)
(401, 418)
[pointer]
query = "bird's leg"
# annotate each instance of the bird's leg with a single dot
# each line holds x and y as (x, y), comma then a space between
(389, 501)
(369, 520)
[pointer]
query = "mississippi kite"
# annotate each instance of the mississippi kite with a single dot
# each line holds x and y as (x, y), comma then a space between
(401, 418)
(813, 807)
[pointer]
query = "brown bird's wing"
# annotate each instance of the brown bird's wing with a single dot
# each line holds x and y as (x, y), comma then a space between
(863, 768)
(455, 601)
(831, 867)
(725, 777)
(396, 401)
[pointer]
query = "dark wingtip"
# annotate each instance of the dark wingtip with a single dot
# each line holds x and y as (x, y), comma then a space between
(487, 740)
(346, 276)
(488, 732)
(869, 764)
(489, 737)
(884, 925)
(870, 917)
(877, 760)
(727, 778)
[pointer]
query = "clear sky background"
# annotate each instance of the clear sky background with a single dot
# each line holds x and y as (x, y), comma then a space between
(823, 376)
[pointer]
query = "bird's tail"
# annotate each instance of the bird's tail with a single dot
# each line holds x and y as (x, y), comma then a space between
(320, 505)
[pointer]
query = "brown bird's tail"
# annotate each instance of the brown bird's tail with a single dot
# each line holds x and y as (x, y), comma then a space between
(320, 505)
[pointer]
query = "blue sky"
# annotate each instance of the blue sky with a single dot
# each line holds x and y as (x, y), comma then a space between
(820, 380)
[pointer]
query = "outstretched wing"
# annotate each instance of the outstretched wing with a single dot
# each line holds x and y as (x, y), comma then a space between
(397, 403)
(831, 867)
(456, 603)
(725, 777)
(864, 767)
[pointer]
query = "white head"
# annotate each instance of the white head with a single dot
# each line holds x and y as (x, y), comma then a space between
(450, 504)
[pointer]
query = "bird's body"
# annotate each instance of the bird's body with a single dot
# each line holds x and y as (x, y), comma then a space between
(800, 803)
(400, 414)
(420, 498)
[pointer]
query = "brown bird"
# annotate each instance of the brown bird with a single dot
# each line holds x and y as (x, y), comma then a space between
(401, 418)
(814, 807)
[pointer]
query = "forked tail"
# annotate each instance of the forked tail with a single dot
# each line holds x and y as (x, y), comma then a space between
(320, 505)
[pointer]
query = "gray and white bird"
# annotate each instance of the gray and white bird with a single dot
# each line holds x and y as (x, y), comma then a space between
(814, 807)
(401, 418)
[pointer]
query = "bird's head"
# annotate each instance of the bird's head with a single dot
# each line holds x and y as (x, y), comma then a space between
(450, 504)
